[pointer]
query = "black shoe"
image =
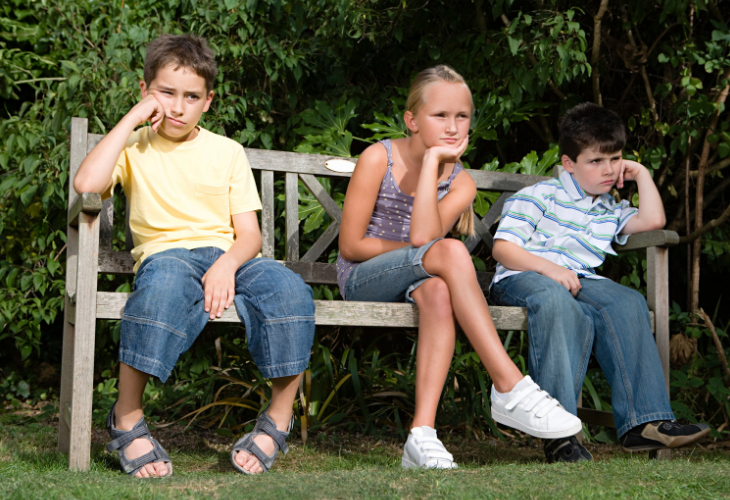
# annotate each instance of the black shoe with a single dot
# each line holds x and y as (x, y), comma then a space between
(662, 434)
(565, 450)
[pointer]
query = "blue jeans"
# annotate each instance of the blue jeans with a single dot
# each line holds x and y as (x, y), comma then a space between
(389, 277)
(605, 317)
(165, 313)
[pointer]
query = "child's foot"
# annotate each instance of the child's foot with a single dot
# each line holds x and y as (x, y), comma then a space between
(256, 451)
(249, 462)
(662, 434)
(424, 450)
(144, 456)
(565, 450)
(529, 409)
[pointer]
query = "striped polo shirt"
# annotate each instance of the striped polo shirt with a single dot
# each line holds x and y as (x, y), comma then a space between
(560, 222)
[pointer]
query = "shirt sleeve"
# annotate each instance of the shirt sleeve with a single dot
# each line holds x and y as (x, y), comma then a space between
(626, 213)
(243, 196)
(520, 216)
(120, 174)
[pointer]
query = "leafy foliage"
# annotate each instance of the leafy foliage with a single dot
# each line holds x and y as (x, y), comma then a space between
(329, 76)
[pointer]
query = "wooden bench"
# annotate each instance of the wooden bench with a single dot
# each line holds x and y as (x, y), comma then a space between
(89, 253)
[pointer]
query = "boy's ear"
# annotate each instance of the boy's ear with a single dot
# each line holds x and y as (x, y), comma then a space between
(410, 121)
(568, 164)
(208, 100)
(143, 88)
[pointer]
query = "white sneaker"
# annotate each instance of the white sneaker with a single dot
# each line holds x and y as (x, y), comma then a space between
(424, 450)
(531, 410)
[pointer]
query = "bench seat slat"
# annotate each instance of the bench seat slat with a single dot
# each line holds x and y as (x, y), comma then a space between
(110, 305)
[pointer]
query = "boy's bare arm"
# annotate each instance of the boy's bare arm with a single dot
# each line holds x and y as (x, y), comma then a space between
(514, 257)
(219, 282)
(651, 210)
(95, 172)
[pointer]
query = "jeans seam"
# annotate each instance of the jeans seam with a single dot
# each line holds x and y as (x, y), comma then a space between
(151, 322)
(619, 352)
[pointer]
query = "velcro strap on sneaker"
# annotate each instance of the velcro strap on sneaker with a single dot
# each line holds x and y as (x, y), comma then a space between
(127, 437)
(269, 428)
(520, 396)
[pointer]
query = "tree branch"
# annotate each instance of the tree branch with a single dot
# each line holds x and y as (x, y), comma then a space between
(704, 158)
(533, 60)
(595, 55)
(694, 236)
(720, 350)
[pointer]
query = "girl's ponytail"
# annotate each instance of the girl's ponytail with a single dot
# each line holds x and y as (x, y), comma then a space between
(465, 225)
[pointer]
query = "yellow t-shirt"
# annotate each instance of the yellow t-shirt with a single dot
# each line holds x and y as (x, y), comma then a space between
(182, 194)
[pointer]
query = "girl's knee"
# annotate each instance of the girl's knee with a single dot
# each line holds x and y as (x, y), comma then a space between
(452, 254)
(434, 298)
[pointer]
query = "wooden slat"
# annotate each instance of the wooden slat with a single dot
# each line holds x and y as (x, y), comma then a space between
(486, 223)
(596, 417)
(106, 225)
(128, 239)
(314, 273)
(481, 234)
(291, 187)
(639, 241)
(268, 216)
(322, 243)
(78, 147)
(110, 305)
(82, 368)
(322, 196)
(120, 263)
(89, 203)
(657, 297)
(92, 141)
(303, 163)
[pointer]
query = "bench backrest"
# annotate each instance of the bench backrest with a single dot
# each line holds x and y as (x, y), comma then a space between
(294, 167)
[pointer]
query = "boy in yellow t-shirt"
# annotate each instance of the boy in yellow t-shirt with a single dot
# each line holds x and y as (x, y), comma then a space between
(193, 203)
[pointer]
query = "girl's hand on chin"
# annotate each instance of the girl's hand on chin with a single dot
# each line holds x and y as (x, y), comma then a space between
(448, 154)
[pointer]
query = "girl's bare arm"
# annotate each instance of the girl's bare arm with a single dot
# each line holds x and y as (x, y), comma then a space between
(362, 194)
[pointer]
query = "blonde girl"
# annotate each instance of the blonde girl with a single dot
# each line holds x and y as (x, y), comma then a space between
(404, 197)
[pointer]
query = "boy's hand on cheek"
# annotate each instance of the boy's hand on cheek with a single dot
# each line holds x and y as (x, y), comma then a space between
(149, 109)
(630, 170)
(564, 276)
(219, 284)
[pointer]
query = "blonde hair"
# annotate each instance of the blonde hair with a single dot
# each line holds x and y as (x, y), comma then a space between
(423, 80)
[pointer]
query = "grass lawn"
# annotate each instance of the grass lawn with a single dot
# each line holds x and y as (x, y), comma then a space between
(343, 465)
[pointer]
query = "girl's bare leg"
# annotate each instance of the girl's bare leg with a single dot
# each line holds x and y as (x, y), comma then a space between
(436, 340)
(450, 260)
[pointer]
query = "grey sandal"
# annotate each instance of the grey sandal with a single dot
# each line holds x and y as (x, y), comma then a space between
(264, 425)
(121, 439)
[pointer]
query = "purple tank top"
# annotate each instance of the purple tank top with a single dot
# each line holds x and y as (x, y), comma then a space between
(391, 219)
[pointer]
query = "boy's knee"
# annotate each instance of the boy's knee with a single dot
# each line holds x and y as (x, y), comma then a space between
(280, 291)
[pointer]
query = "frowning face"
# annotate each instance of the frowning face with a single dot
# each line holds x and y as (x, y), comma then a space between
(184, 98)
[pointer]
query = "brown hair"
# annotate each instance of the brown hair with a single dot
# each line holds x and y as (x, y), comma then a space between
(588, 125)
(424, 79)
(187, 51)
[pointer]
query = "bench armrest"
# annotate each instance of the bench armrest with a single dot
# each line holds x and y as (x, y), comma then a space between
(88, 203)
(661, 238)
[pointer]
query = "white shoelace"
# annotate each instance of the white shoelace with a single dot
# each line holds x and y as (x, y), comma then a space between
(535, 400)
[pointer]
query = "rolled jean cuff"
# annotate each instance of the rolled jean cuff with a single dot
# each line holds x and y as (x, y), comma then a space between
(284, 370)
(651, 417)
(144, 364)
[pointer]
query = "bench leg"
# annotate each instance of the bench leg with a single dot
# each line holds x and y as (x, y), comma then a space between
(657, 295)
(78, 351)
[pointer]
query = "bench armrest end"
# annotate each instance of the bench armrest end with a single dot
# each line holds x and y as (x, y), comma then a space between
(88, 203)
(638, 241)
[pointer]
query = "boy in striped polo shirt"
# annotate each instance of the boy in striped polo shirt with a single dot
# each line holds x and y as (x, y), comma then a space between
(551, 237)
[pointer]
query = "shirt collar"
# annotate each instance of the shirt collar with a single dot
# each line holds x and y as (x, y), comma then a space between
(576, 192)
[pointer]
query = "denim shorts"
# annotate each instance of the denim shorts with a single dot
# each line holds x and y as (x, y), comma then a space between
(389, 277)
(166, 312)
